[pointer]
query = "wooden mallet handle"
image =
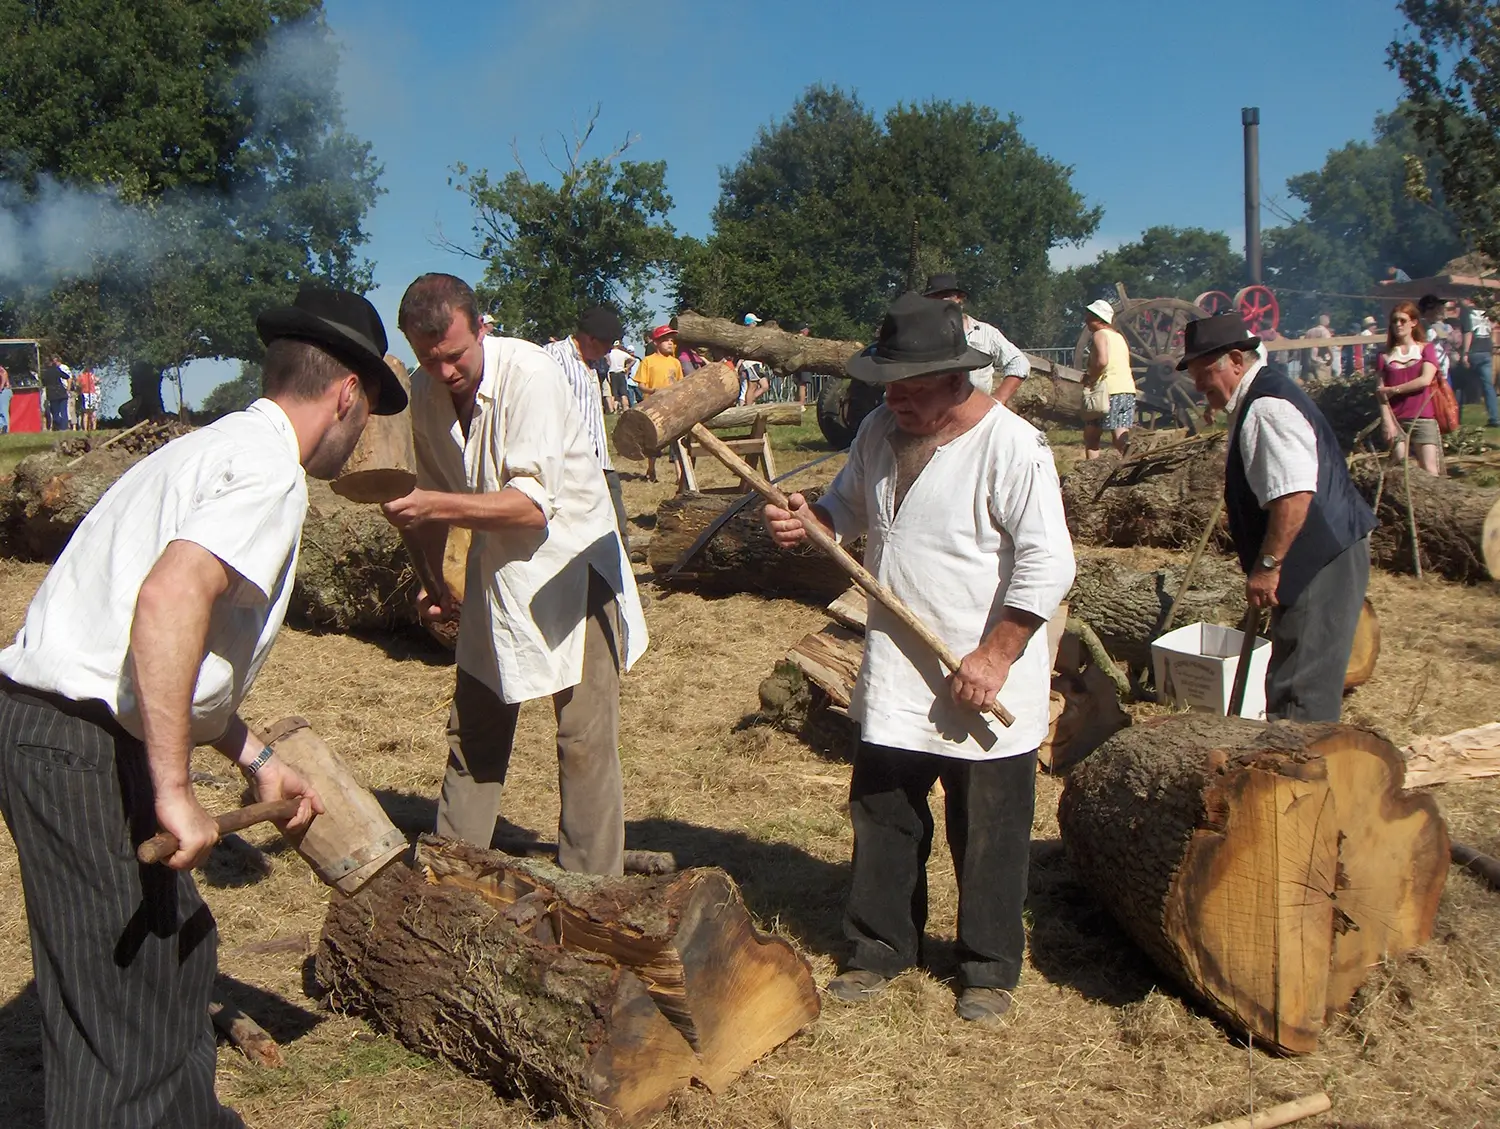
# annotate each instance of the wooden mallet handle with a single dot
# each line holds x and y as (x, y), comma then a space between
(856, 571)
(163, 846)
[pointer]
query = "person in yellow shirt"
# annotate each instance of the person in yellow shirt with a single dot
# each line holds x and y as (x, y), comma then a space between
(656, 371)
(1109, 371)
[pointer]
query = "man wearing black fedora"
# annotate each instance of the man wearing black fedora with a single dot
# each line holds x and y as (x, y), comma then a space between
(1012, 364)
(142, 641)
(1301, 530)
(958, 500)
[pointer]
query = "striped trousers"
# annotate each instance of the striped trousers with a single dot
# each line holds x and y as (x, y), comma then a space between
(124, 954)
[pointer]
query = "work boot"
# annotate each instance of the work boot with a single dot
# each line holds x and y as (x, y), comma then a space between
(856, 986)
(982, 1004)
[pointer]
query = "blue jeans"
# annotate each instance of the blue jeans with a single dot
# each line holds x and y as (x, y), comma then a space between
(632, 393)
(5, 394)
(1483, 365)
(57, 415)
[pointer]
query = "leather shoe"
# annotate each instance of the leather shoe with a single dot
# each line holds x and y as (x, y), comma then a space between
(982, 1004)
(856, 986)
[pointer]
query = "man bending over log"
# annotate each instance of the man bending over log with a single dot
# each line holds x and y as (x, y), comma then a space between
(502, 450)
(1300, 529)
(142, 642)
(959, 501)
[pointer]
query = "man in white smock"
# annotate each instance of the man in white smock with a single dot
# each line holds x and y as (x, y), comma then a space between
(1012, 364)
(958, 500)
(551, 608)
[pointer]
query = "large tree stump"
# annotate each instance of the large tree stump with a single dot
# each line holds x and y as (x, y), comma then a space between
(1450, 520)
(1267, 868)
(600, 996)
(1162, 498)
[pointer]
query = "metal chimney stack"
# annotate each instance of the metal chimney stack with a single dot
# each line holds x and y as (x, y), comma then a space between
(1250, 118)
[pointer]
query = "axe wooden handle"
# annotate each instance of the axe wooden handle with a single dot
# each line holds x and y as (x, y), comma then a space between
(164, 845)
(856, 571)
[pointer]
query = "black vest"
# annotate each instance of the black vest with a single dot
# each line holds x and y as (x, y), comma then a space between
(1337, 518)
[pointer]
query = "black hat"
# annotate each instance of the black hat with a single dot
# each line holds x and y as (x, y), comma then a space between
(1206, 336)
(941, 284)
(918, 337)
(601, 323)
(345, 325)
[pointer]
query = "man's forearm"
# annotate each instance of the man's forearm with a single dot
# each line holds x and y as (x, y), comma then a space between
(1286, 516)
(1007, 388)
(503, 510)
(1008, 638)
(239, 742)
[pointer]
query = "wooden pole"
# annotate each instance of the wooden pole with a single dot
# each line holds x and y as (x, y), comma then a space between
(857, 572)
(112, 440)
(1250, 627)
(1277, 1115)
(1192, 566)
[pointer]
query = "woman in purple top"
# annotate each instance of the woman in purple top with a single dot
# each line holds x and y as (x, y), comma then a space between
(1407, 369)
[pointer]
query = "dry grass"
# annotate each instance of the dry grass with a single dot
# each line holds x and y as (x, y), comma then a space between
(1094, 1039)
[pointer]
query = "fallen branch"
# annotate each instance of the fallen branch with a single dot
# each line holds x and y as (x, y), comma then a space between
(1100, 656)
(1283, 1114)
(246, 1034)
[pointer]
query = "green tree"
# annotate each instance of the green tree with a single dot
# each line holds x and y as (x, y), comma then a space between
(1356, 220)
(203, 143)
(598, 236)
(234, 395)
(815, 222)
(1449, 63)
(1166, 262)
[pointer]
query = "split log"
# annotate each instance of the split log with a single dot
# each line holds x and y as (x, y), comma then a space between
(1492, 541)
(1161, 498)
(599, 996)
(741, 557)
(1267, 868)
(1450, 515)
(1469, 754)
(249, 1036)
(669, 414)
(783, 352)
(1088, 707)
(383, 464)
(1051, 394)
(830, 660)
(1366, 650)
(775, 415)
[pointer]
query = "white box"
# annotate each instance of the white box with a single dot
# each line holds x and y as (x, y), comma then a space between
(1195, 667)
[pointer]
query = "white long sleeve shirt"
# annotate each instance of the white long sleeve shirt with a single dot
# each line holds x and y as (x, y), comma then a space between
(526, 591)
(1009, 360)
(981, 529)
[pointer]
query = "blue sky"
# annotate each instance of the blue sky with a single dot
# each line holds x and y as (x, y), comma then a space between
(1142, 99)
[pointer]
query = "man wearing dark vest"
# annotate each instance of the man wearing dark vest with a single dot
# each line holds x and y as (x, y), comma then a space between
(1301, 530)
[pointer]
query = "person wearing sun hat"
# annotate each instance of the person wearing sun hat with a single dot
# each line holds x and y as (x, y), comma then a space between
(660, 369)
(1299, 527)
(1012, 363)
(959, 502)
(1109, 376)
(141, 643)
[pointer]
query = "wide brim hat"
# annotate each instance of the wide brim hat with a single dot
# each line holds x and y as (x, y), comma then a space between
(345, 325)
(942, 284)
(1101, 310)
(1220, 333)
(919, 336)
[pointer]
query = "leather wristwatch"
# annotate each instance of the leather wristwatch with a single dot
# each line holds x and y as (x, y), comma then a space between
(1269, 563)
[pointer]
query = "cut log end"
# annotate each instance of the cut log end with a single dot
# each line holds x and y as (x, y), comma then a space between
(380, 484)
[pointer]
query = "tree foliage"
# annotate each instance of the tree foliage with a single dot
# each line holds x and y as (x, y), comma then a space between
(1166, 262)
(815, 222)
(234, 395)
(200, 143)
(1449, 63)
(597, 236)
(1357, 219)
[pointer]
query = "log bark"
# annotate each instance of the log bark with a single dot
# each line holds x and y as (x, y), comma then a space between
(741, 557)
(353, 572)
(599, 996)
(1469, 754)
(1267, 868)
(1161, 498)
(783, 352)
(1450, 515)
(1051, 394)
(775, 415)
(669, 414)
(383, 465)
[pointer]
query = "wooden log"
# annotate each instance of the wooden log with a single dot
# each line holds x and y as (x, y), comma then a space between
(1051, 394)
(1089, 710)
(249, 1037)
(1469, 754)
(669, 414)
(1287, 1113)
(602, 996)
(830, 660)
(1366, 650)
(1267, 868)
(1162, 498)
(741, 557)
(774, 415)
(1492, 541)
(383, 465)
(353, 572)
(783, 352)
(1450, 516)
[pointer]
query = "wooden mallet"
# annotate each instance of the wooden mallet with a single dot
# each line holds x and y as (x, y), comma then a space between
(163, 845)
(680, 410)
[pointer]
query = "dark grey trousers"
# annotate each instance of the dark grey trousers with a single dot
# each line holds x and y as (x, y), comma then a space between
(989, 808)
(1311, 640)
(612, 480)
(124, 954)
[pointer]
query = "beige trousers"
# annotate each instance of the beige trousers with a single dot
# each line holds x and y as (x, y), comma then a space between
(482, 731)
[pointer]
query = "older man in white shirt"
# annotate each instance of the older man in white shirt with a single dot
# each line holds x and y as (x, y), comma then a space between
(143, 640)
(1012, 363)
(959, 503)
(551, 608)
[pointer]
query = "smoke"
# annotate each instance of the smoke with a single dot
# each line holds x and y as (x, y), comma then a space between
(63, 232)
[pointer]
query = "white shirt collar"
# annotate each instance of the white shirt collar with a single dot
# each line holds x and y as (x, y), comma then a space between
(279, 420)
(1239, 393)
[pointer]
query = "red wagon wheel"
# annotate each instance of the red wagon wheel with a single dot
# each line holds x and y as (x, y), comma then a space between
(1213, 302)
(1258, 307)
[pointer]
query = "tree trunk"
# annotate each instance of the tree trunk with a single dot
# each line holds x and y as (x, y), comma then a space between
(1268, 868)
(669, 414)
(1162, 498)
(784, 352)
(741, 557)
(601, 996)
(1450, 521)
(1051, 394)
(776, 415)
(383, 464)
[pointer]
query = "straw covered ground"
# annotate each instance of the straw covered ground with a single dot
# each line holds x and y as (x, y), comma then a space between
(1094, 1039)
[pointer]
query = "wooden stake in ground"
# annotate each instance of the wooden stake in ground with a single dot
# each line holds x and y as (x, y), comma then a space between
(1478, 863)
(1267, 868)
(599, 996)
